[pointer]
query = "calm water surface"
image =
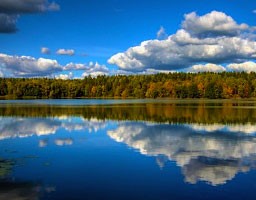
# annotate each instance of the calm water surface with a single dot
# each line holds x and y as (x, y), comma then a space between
(127, 149)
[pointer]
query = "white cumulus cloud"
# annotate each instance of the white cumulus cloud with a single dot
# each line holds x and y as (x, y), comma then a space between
(213, 23)
(246, 66)
(212, 38)
(27, 66)
(65, 76)
(75, 66)
(206, 68)
(69, 52)
(95, 69)
(45, 50)
(92, 69)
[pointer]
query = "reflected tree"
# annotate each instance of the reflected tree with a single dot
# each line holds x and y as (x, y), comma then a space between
(5, 167)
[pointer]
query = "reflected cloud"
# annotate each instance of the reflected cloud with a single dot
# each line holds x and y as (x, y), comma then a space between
(92, 125)
(248, 128)
(43, 143)
(215, 155)
(215, 171)
(26, 127)
(64, 142)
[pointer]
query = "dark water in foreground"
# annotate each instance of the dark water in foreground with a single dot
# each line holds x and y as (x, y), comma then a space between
(134, 149)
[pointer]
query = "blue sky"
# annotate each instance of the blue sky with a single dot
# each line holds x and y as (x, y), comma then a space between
(97, 30)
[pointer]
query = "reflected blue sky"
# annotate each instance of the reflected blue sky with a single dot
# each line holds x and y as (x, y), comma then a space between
(77, 157)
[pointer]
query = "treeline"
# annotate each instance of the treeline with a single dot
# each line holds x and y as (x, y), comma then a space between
(173, 85)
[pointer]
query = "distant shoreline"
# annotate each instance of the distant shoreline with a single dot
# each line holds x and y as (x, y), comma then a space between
(127, 98)
(226, 85)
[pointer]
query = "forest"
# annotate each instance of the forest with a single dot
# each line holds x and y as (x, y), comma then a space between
(225, 85)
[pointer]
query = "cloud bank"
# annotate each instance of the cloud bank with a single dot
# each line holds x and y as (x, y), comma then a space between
(246, 67)
(27, 66)
(10, 10)
(214, 38)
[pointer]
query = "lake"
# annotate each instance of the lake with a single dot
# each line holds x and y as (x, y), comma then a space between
(127, 149)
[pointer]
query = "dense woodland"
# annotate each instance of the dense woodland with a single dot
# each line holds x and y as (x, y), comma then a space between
(173, 85)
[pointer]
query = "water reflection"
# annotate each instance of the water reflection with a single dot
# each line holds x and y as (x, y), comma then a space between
(248, 128)
(171, 112)
(26, 127)
(214, 153)
(215, 156)
(14, 190)
(18, 191)
(63, 142)
(5, 167)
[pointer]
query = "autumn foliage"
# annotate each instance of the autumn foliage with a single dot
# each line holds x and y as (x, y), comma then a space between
(173, 85)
